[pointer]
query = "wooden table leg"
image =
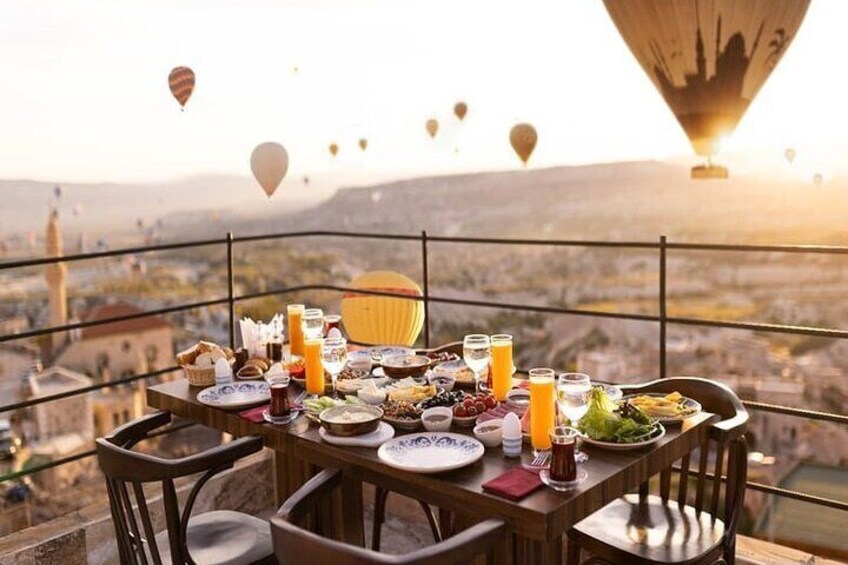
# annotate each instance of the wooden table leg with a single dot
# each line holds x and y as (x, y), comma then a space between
(281, 471)
(349, 512)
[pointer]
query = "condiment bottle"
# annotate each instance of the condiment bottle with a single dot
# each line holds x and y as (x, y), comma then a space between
(223, 372)
(511, 436)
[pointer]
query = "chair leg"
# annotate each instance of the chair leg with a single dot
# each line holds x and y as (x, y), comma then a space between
(431, 518)
(380, 497)
(573, 555)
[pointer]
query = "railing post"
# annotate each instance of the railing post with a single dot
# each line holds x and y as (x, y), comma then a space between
(231, 303)
(662, 298)
(426, 277)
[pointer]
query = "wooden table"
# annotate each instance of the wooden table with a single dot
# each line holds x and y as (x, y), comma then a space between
(537, 522)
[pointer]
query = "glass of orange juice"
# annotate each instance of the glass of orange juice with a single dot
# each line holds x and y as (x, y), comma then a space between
(295, 315)
(314, 366)
(542, 408)
(502, 365)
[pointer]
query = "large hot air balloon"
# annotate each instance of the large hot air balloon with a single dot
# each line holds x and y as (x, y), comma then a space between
(333, 149)
(523, 138)
(460, 109)
(789, 154)
(363, 144)
(269, 163)
(383, 320)
(181, 82)
(708, 58)
(432, 126)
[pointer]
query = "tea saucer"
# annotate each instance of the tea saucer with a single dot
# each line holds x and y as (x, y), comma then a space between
(280, 421)
(562, 486)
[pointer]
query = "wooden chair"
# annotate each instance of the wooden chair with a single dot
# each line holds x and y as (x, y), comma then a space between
(642, 528)
(219, 537)
(296, 545)
(381, 494)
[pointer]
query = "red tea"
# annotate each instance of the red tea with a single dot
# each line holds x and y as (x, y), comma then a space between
(280, 400)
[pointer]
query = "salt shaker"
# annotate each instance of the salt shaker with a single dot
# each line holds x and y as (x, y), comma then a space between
(223, 372)
(511, 436)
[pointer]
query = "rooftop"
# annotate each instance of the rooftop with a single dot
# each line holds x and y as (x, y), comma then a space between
(119, 309)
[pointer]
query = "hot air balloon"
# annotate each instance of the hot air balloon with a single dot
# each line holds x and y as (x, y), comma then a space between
(269, 163)
(523, 138)
(383, 320)
(334, 149)
(57, 191)
(818, 178)
(460, 109)
(432, 127)
(363, 144)
(181, 82)
(708, 58)
(789, 154)
(139, 223)
(306, 180)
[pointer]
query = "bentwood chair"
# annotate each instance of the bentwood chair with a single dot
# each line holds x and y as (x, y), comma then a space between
(381, 494)
(295, 544)
(218, 537)
(698, 527)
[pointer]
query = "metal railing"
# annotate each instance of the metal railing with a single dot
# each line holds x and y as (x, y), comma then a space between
(662, 247)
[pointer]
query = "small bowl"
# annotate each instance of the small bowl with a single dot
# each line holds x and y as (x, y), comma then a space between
(336, 419)
(490, 433)
(402, 366)
(437, 419)
(465, 422)
(375, 399)
(406, 424)
(444, 382)
(518, 397)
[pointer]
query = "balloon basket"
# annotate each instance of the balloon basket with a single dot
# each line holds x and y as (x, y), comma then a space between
(709, 171)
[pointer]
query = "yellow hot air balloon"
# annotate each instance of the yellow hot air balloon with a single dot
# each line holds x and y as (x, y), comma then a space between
(333, 149)
(383, 320)
(523, 138)
(432, 126)
(460, 109)
(789, 154)
(181, 83)
(269, 163)
(363, 144)
(708, 58)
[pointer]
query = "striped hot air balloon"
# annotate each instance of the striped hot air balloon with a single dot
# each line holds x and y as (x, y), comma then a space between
(181, 83)
(383, 320)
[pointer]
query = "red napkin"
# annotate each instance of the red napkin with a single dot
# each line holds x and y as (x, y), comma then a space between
(254, 414)
(514, 484)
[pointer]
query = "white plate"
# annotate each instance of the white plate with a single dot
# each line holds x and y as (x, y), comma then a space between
(235, 395)
(430, 452)
(382, 434)
(659, 433)
(693, 405)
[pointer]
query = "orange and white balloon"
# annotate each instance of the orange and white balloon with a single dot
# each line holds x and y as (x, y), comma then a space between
(181, 83)
(269, 163)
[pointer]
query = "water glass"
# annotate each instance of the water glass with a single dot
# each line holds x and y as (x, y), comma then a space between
(313, 323)
(573, 399)
(334, 357)
(477, 353)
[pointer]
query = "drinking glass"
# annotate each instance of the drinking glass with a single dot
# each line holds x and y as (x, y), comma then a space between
(563, 444)
(295, 314)
(279, 410)
(477, 352)
(334, 355)
(573, 399)
(313, 360)
(313, 323)
(542, 408)
(332, 321)
(502, 366)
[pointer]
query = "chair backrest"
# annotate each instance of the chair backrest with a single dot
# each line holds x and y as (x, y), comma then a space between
(722, 458)
(295, 543)
(127, 470)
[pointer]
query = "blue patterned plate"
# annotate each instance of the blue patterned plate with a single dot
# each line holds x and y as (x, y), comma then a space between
(235, 395)
(430, 452)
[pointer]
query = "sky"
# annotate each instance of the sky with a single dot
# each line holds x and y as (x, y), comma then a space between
(85, 98)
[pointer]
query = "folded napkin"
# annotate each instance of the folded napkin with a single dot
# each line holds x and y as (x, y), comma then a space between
(514, 484)
(255, 414)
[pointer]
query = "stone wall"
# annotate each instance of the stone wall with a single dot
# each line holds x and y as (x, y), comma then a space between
(87, 536)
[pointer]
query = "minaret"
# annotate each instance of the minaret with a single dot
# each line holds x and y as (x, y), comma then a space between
(55, 273)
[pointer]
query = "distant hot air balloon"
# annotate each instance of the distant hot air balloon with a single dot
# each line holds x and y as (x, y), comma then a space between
(57, 191)
(818, 178)
(363, 144)
(384, 320)
(460, 109)
(295, 69)
(523, 139)
(181, 82)
(306, 180)
(139, 223)
(789, 154)
(269, 163)
(432, 127)
(708, 58)
(334, 149)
